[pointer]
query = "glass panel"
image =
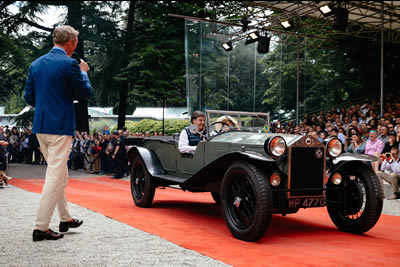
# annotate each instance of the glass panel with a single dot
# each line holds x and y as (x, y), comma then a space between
(244, 80)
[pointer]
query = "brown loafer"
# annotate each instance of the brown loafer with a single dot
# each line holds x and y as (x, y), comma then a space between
(74, 223)
(46, 235)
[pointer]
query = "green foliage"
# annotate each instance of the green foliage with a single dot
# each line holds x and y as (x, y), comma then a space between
(151, 58)
(25, 119)
(171, 126)
(156, 68)
(327, 77)
(14, 104)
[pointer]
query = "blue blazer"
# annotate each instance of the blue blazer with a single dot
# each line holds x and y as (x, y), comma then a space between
(54, 80)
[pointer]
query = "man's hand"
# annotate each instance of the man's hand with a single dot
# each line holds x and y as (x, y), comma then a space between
(84, 66)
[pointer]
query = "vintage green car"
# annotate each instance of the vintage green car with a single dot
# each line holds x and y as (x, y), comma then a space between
(253, 173)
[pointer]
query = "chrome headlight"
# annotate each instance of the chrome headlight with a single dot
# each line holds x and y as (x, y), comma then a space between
(336, 178)
(334, 147)
(275, 179)
(275, 146)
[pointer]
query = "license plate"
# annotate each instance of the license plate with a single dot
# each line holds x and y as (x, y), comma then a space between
(306, 202)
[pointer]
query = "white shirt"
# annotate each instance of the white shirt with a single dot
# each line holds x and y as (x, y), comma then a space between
(183, 144)
(391, 166)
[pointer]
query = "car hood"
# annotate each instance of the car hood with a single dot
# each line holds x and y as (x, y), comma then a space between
(251, 139)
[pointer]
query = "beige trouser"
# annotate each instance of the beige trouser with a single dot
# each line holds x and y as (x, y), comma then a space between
(391, 178)
(55, 149)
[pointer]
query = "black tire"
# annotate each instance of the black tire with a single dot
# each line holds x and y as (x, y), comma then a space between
(357, 206)
(216, 197)
(142, 186)
(246, 201)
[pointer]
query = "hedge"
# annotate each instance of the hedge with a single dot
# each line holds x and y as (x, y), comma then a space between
(171, 127)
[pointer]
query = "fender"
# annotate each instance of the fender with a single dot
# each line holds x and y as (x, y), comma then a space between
(354, 156)
(150, 159)
(350, 158)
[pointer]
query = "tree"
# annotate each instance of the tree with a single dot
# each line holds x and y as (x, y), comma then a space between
(17, 51)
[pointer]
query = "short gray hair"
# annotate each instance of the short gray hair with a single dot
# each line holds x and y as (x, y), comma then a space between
(63, 33)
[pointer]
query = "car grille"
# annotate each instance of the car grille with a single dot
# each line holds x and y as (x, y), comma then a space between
(306, 171)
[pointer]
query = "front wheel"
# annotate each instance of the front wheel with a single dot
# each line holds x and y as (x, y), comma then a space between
(246, 201)
(142, 186)
(356, 206)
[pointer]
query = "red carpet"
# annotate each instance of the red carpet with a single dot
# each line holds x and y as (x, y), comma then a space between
(193, 221)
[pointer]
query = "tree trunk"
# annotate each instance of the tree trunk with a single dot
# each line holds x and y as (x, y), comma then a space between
(81, 108)
(124, 85)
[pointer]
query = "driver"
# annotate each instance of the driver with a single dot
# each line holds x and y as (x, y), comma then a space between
(187, 140)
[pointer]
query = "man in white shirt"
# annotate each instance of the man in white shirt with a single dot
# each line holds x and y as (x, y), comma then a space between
(390, 171)
(188, 141)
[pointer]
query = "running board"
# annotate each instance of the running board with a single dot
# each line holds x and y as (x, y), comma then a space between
(171, 178)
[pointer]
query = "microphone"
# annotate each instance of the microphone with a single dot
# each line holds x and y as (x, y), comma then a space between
(76, 57)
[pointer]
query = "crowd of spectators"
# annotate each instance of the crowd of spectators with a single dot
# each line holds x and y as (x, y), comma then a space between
(103, 153)
(98, 153)
(353, 126)
(360, 130)
(23, 146)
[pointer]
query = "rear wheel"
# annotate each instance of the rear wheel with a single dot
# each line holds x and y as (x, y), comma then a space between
(357, 205)
(142, 186)
(246, 201)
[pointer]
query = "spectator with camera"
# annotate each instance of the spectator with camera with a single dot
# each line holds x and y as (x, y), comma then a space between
(390, 171)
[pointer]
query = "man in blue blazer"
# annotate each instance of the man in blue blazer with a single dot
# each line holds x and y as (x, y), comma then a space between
(54, 80)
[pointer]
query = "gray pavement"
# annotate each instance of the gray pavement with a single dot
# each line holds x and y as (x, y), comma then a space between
(100, 241)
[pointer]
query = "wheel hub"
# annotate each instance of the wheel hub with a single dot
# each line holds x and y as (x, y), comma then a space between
(137, 181)
(237, 201)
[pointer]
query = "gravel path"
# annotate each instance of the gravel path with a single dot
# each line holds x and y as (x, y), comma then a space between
(100, 241)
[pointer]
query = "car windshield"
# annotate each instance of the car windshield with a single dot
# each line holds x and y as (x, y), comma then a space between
(220, 121)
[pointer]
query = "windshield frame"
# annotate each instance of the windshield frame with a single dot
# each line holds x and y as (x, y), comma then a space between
(233, 113)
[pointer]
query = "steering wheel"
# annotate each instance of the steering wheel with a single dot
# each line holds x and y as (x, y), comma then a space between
(223, 124)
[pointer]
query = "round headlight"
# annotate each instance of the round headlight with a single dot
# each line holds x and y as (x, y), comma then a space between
(276, 146)
(275, 179)
(334, 147)
(336, 178)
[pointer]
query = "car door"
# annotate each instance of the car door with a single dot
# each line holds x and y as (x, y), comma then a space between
(189, 165)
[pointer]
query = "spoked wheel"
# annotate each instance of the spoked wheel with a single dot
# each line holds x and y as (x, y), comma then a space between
(246, 201)
(357, 205)
(142, 187)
